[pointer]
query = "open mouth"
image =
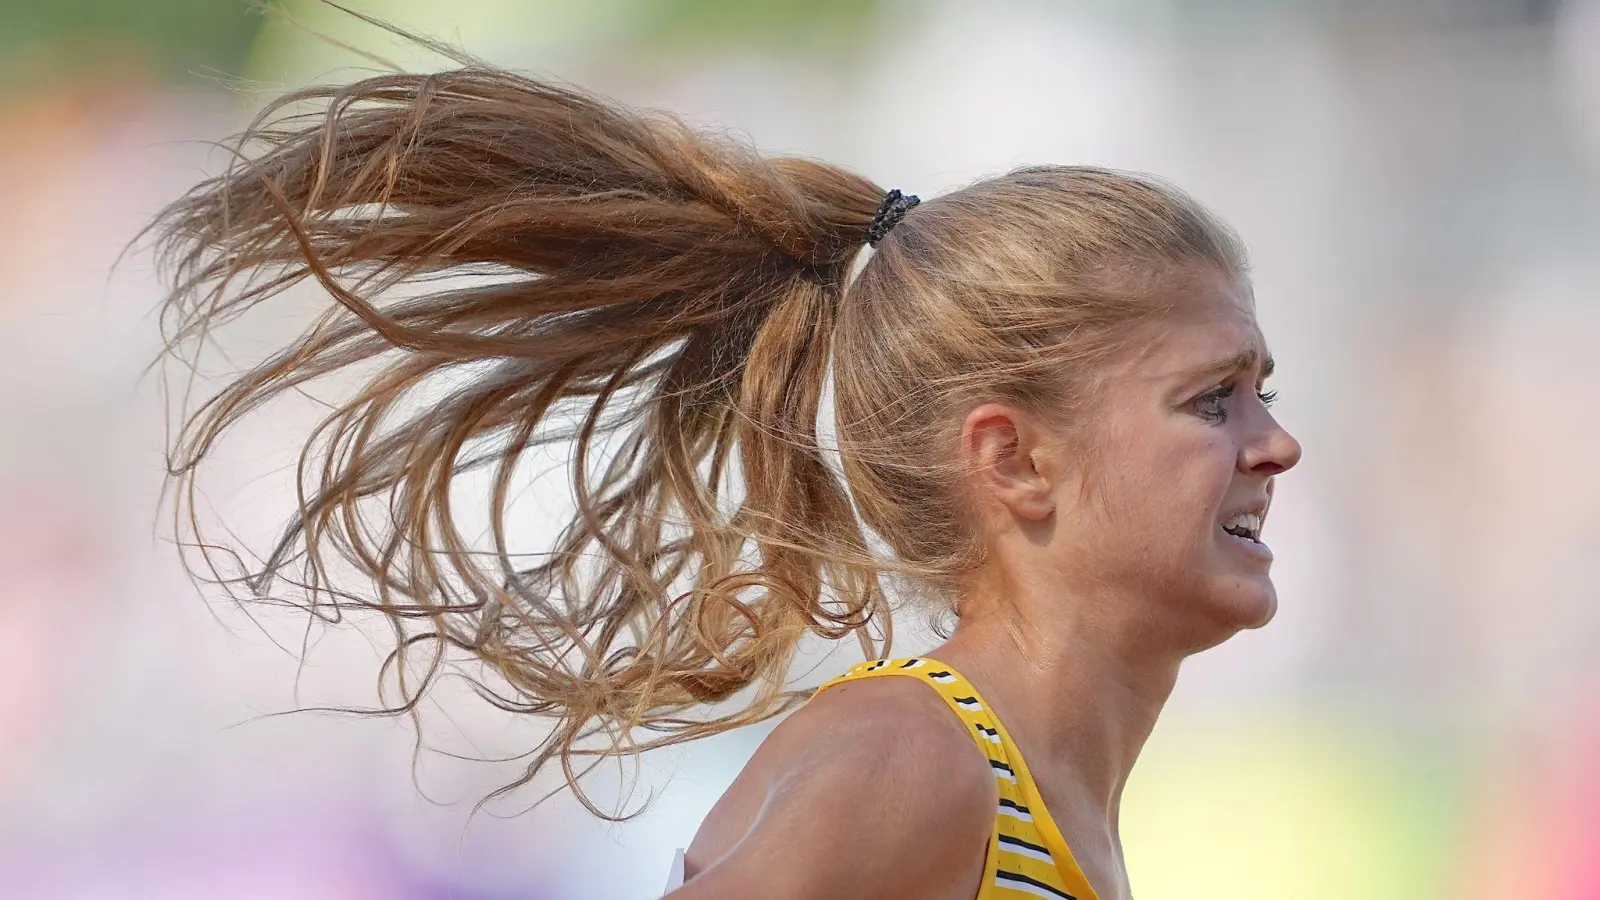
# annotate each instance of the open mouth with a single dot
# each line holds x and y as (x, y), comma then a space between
(1246, 526)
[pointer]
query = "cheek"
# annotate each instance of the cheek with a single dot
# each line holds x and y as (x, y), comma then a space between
(1169, 487)
(1154, 482)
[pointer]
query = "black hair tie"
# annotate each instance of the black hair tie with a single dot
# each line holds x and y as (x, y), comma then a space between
(894, 208)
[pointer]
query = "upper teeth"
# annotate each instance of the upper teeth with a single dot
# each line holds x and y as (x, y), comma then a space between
(1247, 522)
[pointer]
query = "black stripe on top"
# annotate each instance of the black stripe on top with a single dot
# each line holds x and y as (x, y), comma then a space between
(938, 674)
(999, 766)
(877, 665)
(1020, 878)
(988, 731)
(1012, 804)
(1019, 842)
(909, 663)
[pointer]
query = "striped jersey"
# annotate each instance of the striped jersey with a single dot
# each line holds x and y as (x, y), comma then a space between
(1027, 854)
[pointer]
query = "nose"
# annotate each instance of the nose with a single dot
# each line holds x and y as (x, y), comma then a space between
(1272, 451)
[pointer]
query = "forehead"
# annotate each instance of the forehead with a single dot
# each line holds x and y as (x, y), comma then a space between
(1212, 317)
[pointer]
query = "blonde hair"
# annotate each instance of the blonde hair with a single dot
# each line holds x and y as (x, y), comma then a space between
(689, 298)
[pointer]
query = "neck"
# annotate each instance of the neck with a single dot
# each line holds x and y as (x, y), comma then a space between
(1079, 701)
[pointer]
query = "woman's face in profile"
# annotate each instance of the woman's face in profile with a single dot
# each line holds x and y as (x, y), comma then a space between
(1172, 497)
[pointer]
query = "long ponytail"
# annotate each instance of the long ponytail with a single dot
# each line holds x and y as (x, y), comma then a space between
(677, 291)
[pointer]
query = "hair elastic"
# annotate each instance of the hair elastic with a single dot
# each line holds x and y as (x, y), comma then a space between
(894, 208)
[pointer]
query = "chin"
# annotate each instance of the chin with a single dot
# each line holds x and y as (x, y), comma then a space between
(1262, 608)
(1239, 606)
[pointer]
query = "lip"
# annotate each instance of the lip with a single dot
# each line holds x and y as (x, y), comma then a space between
(1254, 549)
(1257, 507)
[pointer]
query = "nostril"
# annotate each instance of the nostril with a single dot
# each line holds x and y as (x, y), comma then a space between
(1271, 457)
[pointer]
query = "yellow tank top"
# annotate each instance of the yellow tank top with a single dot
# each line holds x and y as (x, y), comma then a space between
(1027, 854)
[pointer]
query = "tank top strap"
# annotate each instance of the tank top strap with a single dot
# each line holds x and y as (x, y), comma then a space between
(1027, 854)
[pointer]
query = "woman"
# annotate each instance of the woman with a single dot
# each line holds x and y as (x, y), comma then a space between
(1047, 389)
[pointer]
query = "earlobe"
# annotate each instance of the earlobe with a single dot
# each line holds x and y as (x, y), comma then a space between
(1031, 497)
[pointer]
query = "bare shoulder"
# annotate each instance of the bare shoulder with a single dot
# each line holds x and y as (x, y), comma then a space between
(900, 724)
(873, 787)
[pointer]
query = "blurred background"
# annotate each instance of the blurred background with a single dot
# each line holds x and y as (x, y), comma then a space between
(1418, 182)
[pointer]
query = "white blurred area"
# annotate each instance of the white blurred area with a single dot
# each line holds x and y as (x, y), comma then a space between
(1418, 186)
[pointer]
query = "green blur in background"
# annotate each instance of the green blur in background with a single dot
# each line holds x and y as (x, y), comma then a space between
(183, 40)
(177, 38)
(1319, 809)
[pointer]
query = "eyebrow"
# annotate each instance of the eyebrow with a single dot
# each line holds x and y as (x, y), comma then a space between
(1244, 359)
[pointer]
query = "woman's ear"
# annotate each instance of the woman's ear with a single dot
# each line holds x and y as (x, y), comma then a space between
(1003, 450)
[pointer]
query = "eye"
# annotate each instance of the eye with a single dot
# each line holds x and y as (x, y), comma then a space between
(1268, 398)
(1212, 405)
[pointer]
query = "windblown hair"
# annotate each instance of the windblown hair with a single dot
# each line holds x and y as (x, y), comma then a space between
(683, 300)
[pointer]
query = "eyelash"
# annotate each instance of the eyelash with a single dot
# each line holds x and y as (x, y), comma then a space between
(1219, 415)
